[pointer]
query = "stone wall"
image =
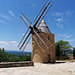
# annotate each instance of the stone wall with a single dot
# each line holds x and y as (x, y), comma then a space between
(16, 64)
(70, 56)
(48, 55)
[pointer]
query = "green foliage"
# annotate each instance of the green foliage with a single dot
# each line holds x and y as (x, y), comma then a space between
(7, 57)
(62, 48)
(57, 47)
(73, 52)
(3, 55)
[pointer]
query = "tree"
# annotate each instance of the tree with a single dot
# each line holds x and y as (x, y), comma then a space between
(73, 52)
(63, 47)
(57, 47)
(3, 55)
(8, 57)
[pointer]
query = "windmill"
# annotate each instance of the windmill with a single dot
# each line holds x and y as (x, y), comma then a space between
(40, 40)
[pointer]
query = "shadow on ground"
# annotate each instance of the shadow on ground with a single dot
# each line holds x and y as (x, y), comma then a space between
(55, 63)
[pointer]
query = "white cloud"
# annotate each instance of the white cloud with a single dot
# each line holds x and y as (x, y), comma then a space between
(69, 13)
(59, 20)
(5, 16)
(9, 47)
(59, 25)
(64, 34)
(12, 45)
(70, 40)
(61, 17)
(57, 14)
(68, 36)
(13, 42)
(73, 45)
(23, 34)
(1, 21)
(11, 13)
(3, 42)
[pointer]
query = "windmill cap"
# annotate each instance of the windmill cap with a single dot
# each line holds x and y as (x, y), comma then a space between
(43, 27)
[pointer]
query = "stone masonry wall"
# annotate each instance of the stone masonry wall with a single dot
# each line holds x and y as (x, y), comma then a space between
(48, 55)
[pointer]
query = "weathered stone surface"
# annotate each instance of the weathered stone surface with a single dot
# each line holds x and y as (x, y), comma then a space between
(38, 55)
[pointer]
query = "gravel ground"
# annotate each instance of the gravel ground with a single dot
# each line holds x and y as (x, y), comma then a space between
(41, 69)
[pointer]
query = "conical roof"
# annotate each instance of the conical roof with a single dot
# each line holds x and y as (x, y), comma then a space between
(43, 27)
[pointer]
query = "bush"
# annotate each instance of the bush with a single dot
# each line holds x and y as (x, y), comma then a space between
(6, 57)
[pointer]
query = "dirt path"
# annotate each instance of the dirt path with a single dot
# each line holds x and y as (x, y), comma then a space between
(41, 69)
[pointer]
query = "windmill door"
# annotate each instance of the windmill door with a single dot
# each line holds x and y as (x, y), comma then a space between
(49, 57)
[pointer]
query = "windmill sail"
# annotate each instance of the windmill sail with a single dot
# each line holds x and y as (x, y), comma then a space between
(25, 40)
(25, 19)
(43, 40)
(45, 12)
(38, 43)
(41, 11)
(26, 44)
(24, 22)
(38, 19)
(39, 37)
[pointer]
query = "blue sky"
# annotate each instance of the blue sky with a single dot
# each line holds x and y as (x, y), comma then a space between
(60, 20)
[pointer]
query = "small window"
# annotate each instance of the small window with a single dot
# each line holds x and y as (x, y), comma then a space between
(39, 29)
(48, 37)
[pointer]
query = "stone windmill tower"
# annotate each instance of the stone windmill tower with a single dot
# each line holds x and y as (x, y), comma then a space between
(39, 52)
(42, 39)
